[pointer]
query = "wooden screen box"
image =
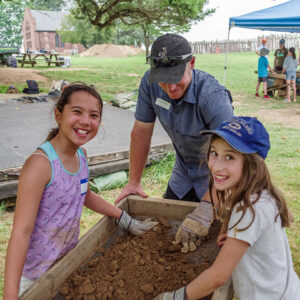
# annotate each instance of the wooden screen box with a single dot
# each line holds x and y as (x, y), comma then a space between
(49, 284)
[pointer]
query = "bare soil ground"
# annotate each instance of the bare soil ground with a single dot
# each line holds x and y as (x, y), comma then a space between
(15, 76)
(141, 267)
(289, 117)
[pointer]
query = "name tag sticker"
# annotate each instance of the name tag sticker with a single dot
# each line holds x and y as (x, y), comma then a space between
(83, 186)
(162, 103)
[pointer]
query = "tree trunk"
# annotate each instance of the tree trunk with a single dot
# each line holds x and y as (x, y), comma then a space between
(146, 40)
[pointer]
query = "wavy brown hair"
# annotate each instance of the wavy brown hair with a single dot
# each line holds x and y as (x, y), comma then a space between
(254, 180)
(65, 98)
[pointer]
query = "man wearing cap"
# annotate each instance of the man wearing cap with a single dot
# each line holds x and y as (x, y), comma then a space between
(186, 101)
(263, 45)
(280, 55)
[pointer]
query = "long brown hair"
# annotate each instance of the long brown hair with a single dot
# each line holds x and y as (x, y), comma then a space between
(254, 180)
(65, 97)
(292, 50)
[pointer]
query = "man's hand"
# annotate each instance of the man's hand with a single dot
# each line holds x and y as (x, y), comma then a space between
(176, 295)
(131, 189)
(195, 224)
(134, 226)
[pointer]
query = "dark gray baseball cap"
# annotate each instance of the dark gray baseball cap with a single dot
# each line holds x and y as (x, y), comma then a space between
(168, 58)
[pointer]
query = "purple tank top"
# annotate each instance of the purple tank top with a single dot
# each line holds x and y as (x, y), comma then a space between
(57, 225)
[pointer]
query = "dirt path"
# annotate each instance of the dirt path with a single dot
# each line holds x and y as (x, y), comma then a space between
(13, 76)
(288, 117)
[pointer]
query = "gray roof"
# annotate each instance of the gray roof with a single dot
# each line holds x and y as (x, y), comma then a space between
(48, 20)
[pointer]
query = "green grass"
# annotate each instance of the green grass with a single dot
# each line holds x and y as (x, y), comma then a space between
(112, 76)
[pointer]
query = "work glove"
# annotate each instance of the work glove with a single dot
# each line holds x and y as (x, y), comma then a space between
(225, 292)
(175, 295)
(134, 226)
(195, 224)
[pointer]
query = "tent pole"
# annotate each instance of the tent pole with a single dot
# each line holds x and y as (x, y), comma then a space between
(226, 55)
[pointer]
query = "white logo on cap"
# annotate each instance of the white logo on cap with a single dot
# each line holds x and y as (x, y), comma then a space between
(235, 125)
(163, 53)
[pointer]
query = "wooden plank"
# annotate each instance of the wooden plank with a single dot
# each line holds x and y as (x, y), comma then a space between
(119, 155)
(157, 207)
(48, 285)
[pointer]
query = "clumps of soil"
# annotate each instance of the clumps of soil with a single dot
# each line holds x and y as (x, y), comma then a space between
(111, 50)
(141, 267)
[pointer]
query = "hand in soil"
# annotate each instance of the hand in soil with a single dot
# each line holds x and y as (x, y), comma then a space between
(177, 295)
(141, 267)
(134, 226)
(195, 224)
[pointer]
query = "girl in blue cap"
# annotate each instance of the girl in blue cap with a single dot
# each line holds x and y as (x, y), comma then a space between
(255, 261)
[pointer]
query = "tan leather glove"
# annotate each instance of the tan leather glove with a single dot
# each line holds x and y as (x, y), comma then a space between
(195, 224)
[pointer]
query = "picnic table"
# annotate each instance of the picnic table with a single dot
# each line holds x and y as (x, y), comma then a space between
(277, 84)
(50, 58)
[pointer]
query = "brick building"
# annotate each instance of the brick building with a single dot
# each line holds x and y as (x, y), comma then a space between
(39, 32)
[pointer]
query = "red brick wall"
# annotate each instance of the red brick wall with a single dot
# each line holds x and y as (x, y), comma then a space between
(35, 41)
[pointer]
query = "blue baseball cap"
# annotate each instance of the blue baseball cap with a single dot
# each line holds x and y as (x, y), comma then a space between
(244, 134)
(281, 41)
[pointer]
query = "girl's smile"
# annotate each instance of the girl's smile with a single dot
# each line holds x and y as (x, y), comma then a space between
(225, 164)
(80, 119)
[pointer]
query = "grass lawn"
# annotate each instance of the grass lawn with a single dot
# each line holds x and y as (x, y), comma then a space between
(117, 75)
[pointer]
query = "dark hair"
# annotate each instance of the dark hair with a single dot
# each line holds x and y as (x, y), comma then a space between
(256, 178)
(292, 50)
(65, 97)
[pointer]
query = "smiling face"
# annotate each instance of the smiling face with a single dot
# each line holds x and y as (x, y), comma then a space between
(80, 119)
(177, 91)
(225, 164)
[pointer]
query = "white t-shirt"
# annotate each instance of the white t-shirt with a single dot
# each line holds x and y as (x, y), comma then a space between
(265, 272)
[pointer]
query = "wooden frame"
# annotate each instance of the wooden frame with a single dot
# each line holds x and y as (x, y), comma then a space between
(48, 285)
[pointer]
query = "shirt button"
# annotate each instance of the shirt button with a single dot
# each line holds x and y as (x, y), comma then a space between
(177, 131)
(186, 157)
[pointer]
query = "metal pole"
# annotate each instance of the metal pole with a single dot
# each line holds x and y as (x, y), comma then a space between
(225, 67)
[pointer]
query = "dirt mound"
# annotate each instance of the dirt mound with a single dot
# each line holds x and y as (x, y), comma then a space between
(19, 76)
(141, 267)
(111, 50)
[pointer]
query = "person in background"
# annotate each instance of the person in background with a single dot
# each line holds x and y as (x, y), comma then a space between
(263, 66)
(280, 55)
(263, 45)
(255, 261)
(185, 101)
(52, 190)
(289, 69)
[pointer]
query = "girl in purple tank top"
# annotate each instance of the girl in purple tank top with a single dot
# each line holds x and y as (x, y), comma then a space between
(52, 190)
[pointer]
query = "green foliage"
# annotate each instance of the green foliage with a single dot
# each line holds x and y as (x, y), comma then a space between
(153, 17)
(53, 5)
(83, 32)
(11, 17)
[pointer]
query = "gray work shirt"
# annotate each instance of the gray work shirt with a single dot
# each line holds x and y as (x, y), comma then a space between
(205, 105)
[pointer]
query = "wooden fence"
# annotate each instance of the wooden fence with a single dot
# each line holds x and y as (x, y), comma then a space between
(291, 40)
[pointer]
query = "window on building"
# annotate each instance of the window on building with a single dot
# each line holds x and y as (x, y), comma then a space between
(28, 36)
(56, 41)
(62, 44)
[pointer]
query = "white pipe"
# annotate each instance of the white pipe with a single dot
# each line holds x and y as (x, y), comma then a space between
(225, 67)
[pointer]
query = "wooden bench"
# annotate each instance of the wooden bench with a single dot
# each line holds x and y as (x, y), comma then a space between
(56, 62)
(22, 62)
